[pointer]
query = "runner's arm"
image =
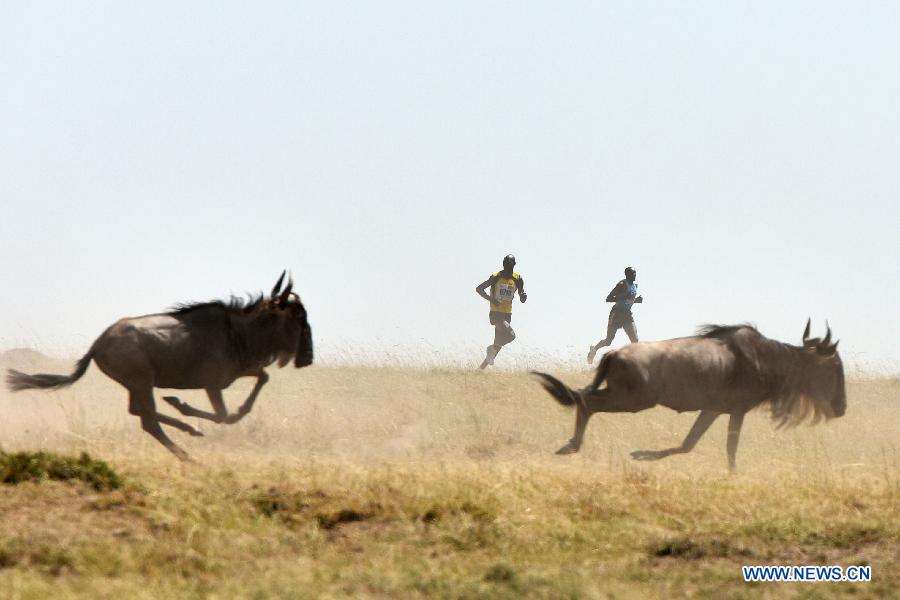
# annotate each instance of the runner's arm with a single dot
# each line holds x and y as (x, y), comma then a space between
(485, 285)
(520, 285)
(614, 294)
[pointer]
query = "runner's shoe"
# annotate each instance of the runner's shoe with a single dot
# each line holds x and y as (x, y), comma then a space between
(489, 356)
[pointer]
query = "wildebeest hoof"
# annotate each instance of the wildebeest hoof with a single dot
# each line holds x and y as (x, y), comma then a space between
(183, 456)
(648, 455)
(567, 449)
(196, 433)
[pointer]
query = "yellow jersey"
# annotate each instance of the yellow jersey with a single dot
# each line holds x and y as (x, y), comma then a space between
(504, 290)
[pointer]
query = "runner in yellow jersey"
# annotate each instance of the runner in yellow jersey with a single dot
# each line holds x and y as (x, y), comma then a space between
(503, 285)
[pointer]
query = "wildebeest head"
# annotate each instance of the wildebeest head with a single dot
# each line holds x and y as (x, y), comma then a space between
(826, 387)
(294, 335)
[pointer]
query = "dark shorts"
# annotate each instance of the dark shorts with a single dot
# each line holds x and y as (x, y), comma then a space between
(496, 318)
(620, 318)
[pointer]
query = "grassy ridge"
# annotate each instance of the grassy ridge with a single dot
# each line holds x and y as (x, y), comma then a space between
(451, 531)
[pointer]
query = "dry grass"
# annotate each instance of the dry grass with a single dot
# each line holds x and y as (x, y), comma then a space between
(348, 482)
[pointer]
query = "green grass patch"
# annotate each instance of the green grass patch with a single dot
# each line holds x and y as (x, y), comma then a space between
(18, 467)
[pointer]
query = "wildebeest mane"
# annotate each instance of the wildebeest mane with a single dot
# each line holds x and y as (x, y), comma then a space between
(771, 366)
(233, 304)
(711, 330)
(248, 346)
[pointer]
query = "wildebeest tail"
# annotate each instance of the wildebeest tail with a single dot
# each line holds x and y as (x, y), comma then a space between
(556, 388)
(16, 380)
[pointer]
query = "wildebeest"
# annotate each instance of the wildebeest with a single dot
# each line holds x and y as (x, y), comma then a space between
(722, 370)
(194, 346)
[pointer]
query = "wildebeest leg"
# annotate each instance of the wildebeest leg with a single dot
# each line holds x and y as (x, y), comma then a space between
(614, 400)
(218, 403)
(581, 420)
(588, 402)
(141, 404)
(245, 408)
(167, 420)
(735, 421)
(189, 411)
(704, 420)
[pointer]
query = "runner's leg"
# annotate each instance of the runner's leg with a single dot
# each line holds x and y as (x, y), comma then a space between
(503, 334)
(631, 331)
(492, 350)
(611, 328)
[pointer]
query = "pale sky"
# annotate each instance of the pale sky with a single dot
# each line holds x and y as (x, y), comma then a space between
(743, 156)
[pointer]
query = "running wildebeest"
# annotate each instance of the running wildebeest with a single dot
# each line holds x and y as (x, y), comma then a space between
(195, 346)
(722, 370)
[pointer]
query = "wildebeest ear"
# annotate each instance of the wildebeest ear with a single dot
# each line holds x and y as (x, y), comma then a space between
(828, 350)
(277, 287)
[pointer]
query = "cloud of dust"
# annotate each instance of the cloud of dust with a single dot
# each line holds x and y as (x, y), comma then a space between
(364, 415)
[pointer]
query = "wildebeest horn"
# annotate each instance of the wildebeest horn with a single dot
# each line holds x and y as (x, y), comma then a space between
(806, 331)
(286, 294)
(825, 345)
(277, 287)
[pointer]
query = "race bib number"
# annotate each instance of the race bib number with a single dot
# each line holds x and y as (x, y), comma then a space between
(505, 292)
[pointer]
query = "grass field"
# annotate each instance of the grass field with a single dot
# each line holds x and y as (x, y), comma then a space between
(402, 482)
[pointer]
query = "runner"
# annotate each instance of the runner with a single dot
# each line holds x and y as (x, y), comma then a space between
(624, 294)
(503, 285)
